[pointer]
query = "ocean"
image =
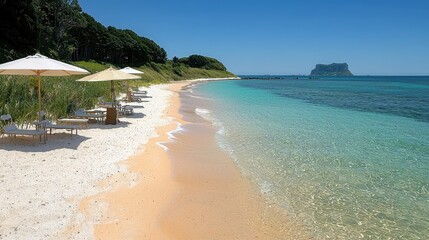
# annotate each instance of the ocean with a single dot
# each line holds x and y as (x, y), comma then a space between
(346, 157)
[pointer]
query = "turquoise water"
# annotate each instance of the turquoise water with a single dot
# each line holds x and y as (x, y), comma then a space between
(347, 157)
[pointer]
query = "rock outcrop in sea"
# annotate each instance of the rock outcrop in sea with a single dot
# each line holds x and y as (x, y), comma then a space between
(334, 69)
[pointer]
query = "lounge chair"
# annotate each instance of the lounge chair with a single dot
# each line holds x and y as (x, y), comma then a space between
(128, 110)
(137, 91)
(139, 94)
(134, 98)
(12, 129)
(103, 104)
(70, 128)
(82, 123)
(97, 116)
(125, 110)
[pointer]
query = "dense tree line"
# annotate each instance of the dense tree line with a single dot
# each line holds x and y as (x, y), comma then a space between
(198, 61)
(60, 29)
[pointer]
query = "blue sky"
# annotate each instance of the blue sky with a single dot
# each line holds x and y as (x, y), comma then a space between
(376, 37)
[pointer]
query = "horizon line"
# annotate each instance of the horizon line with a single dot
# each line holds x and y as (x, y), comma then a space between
(354, 75)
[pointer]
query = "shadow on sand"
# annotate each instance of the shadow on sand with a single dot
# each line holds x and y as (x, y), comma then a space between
(59, 140)
(55, 141)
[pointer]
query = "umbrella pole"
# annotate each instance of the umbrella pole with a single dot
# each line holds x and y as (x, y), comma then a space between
(128, 92)
(112, 89)
(39, 94)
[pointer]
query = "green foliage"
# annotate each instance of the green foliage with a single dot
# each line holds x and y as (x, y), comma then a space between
(59, 29)
(198, 61)
(334, 69)
(92, 66)
(173, 71)
(18, 29)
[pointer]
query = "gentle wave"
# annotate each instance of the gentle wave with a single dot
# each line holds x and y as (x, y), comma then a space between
(171, 136)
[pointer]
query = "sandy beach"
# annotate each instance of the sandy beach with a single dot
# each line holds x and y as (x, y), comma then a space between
(141, 179)
(43, 185)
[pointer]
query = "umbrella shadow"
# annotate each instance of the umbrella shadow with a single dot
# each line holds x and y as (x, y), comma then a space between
(53, 142)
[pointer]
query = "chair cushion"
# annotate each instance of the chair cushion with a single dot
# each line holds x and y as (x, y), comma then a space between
(10, 128)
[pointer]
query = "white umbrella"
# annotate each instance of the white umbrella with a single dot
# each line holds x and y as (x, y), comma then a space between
(111, 75)
(130, 71)
(39, 65)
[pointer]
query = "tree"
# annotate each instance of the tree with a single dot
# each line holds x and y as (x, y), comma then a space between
(63, 15)
(198, 61)
(17, 29)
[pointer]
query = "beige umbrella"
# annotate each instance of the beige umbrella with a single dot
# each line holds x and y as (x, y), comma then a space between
(39, 65)
(111, 75)
(130, 71)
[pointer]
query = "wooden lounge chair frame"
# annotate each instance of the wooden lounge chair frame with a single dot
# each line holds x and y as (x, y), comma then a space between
(73, 121)
(97, 116)
(70, 128)
(12, 129)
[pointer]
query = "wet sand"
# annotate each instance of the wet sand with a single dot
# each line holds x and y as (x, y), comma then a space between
(187, 188)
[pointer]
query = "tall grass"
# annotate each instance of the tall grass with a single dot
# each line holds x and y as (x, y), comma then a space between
(60, 96)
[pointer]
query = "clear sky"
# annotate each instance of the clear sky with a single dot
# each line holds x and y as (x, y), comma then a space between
(377, 37)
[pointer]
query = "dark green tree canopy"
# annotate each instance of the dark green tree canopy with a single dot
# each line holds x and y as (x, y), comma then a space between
(198, 61)
(59, 29)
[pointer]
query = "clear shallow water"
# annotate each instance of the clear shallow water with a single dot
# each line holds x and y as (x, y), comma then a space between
(348, 157)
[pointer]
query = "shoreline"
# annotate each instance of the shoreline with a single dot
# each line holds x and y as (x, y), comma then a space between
(171, 203)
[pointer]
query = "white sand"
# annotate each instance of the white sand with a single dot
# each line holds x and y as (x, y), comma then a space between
(42, 185)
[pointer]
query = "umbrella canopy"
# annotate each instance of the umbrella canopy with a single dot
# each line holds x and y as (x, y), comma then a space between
(131, 71)
(39, 65)
(111, 75)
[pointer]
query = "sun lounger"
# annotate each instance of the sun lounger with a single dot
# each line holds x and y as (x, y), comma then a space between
(140, 96)
(73, 121)
(137, 91)
(126, 110)
(135, 99)
(97, 116)
(12, 130)
(103, 104)
(70, 128)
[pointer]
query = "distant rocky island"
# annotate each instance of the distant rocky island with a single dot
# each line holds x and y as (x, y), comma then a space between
(334, 69)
